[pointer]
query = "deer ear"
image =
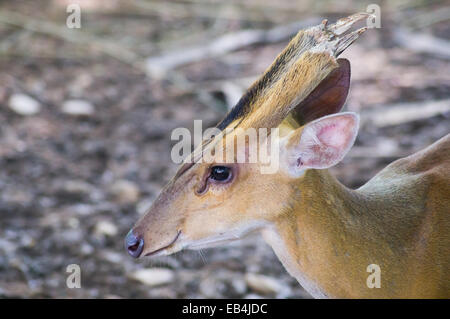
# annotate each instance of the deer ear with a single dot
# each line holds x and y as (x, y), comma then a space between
(327, 98)
(322, 143)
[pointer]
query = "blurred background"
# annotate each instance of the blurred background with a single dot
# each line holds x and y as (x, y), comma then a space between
(86, 116)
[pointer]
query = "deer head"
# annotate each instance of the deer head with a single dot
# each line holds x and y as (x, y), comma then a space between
(221, 200)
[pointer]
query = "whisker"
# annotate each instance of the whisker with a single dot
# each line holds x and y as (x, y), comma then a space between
(202, 256)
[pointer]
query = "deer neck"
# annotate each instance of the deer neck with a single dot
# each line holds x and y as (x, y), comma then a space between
(329, 235)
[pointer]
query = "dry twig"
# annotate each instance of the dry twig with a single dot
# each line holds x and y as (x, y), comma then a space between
(423, 43)
(405, 112)
(70, 35)
(158, 66)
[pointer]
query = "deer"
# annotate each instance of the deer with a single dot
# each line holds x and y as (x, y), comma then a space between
(324, 233)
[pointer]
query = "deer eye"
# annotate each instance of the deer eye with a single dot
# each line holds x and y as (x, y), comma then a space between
(220, 173)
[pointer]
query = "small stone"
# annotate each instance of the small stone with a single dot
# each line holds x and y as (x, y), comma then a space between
(73, 222)
(263, 284)
(238, 286)
(86, 249)
(76, 187)
(105, 228)
(17, 196)
(7, 246)
(221, 284)
(71, 236)
(24, 105)
(111, 256)
(111, 296)
(210, 287)
(81, 209)
(252, 296)
(154, 276)
(164, 292)
(78, 107)
(125, 191)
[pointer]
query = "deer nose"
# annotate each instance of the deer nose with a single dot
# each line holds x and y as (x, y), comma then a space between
(134, 244)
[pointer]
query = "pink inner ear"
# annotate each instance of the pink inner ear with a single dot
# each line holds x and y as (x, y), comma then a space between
(335, 134)
(325, 142)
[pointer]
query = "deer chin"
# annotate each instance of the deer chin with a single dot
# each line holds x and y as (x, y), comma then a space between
(213, 241)
(224, 238)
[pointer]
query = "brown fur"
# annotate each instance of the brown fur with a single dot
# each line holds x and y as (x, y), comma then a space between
(324, 232)
(252, 99)
(399, 220)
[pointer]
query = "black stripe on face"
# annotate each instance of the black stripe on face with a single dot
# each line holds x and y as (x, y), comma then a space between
(243, 106)
(183, 169)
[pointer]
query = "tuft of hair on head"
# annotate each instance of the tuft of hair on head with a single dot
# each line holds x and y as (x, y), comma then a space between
(306, 80)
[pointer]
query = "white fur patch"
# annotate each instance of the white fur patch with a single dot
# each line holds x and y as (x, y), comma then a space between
(224, 237)
(274, 240)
